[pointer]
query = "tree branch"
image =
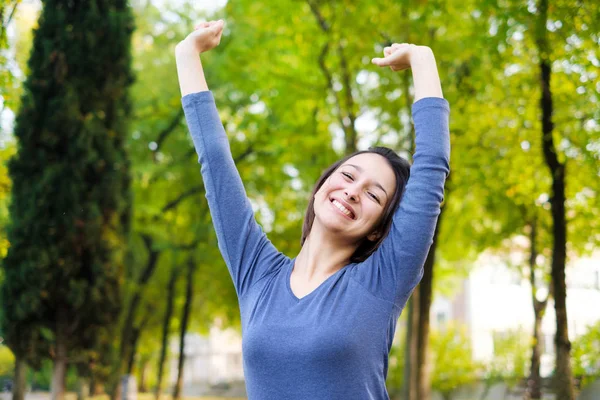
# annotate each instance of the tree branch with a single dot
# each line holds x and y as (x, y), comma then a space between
(322, 23)
(169, 129)
(173, 203)
(349, 129)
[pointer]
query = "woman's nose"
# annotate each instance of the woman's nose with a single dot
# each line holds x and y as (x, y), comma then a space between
(351, 193)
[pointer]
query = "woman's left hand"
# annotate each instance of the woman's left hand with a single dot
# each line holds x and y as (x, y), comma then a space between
(397, 56)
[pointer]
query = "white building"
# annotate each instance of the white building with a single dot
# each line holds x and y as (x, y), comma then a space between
(209, 360)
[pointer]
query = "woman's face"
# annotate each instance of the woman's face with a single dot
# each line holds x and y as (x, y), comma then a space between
(352, 200)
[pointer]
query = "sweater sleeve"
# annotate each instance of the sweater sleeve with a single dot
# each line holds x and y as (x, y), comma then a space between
(248, 253)
(396, 267)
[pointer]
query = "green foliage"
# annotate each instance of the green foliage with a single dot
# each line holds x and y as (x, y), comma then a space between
(585, 355)
(510, 363)
(7, 361)
(8, 80)
(41, 378)
(452, 363)
(395, 378)
(5, 186)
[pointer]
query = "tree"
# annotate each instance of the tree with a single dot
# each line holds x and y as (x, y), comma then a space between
(563, 149)
(564, 374)
(70, 202)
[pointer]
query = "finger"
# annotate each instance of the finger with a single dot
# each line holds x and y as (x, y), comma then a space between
(201, 25)
(387, 51)
(382, 62)
(398, 45)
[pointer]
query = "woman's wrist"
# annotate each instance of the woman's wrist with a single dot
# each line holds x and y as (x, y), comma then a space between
(426, 79)
(421, 56)
(189, 69)
(185, 49)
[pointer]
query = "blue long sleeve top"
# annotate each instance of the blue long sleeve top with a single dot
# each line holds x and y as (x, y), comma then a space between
(334, 342)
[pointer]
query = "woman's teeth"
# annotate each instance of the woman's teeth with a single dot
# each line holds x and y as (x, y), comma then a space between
(343, 209)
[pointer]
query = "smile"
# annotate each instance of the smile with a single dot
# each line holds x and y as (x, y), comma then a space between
(343, 209)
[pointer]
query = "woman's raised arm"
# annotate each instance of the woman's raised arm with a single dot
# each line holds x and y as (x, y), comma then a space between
(245, 248)
(396, 267)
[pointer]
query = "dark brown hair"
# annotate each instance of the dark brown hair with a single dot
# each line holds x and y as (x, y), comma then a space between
(401, 168)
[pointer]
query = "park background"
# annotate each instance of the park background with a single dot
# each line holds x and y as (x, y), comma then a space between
(109, 262)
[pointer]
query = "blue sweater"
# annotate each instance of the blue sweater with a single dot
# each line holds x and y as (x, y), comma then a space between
(334, 342)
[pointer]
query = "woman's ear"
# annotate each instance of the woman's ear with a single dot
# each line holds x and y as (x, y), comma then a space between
(373, 237)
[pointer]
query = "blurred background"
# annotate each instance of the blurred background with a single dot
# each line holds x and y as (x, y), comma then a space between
(111, 283)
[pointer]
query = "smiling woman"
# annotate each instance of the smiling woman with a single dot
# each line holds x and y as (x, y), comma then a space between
(320, 325)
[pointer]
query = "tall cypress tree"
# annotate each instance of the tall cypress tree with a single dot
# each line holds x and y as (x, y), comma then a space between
(70, 204)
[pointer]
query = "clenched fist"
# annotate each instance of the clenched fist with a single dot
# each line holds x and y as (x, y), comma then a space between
(400, 56)
(205, 36)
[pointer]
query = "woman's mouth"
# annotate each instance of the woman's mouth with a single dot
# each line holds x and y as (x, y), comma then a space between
(348, 213)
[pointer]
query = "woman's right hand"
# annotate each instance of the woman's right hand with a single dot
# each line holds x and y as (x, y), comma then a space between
(206, 36)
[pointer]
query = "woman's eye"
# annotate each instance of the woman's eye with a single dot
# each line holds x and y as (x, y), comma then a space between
(347, 175)
(374, 197)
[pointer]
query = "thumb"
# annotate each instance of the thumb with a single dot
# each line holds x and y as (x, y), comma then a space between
(382, 62)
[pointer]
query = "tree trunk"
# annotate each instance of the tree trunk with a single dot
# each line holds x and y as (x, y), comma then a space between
(128, 328)
(563, 375)
(135, 337)
(535, 379)
(423, 378)
(184, 324)
(18, 390)
(534, 383)
(417, 378)
(93, 385)
(60, 368)
(143, 386)
(409, 388)
(165, 332)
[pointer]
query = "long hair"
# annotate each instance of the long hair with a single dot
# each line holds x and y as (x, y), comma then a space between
(401, 168)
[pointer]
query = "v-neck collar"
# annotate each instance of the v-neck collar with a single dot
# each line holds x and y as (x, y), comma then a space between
(311, 293)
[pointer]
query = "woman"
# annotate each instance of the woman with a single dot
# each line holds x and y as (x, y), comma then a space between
(320, 326)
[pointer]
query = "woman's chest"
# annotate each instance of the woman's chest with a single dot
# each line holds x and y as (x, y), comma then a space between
(337, 319)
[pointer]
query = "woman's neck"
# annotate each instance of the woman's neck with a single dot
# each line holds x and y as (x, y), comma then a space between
(322, 255)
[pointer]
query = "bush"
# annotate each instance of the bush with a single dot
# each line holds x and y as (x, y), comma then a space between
(7, 362)
(585, 355)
